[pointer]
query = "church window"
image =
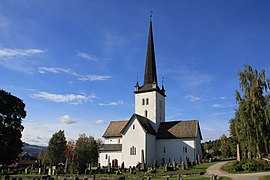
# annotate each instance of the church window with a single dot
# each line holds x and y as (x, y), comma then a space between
(184, 149)
(164, 149)
(118, 141)
(106, 157)
(133, 126)
(143, 102)
(145, 112)
(147, 101)
(133, 150)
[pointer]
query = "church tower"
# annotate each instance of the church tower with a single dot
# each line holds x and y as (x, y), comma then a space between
(149, 98)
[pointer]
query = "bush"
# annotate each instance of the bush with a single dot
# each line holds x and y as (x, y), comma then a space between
(252, 165)
(256, 165)
(235, 166)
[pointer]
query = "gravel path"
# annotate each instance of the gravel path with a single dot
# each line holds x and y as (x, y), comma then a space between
(216, 170)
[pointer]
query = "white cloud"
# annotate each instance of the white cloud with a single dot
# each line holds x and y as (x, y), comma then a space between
(86, 56)
(44, 70)
(15, 59)
(100, 121)
(80, 77)
(221, 114)
(69, 98)
(217, 105)
(67, 119)
(9, 53)
(93, 77)
(222, 105)
(192, 98)
(223, 97)
(115, 103)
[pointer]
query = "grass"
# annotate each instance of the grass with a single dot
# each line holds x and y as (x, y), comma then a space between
(161, 174)
(265, 178)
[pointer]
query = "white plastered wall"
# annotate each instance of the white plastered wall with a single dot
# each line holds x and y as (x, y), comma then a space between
(155, 108)
(113, 140)
(103, 157)
(174, 149)
(150, 149)
(133, 137)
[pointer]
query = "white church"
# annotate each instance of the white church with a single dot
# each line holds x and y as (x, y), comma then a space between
(147, 131)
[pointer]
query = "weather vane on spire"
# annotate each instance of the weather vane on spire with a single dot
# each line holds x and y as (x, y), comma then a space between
(151, 14)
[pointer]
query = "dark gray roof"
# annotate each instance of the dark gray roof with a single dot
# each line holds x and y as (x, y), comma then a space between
(179, 129)
(144, 122)
(114, 129)
(111, 147)
(150, 73)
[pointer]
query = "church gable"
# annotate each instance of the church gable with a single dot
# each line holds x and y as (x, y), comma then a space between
(179, 129)
(143, 122)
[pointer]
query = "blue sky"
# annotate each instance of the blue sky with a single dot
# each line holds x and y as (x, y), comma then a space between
(75, 63)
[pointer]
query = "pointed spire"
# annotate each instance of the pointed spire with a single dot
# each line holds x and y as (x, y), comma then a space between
(150, 75)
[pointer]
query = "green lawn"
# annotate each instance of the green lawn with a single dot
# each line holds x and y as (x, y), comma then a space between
(266, 178)
(161, 174)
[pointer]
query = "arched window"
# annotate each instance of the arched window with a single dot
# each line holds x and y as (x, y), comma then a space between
(133, 150)
(145, 112)
(143, 102)
(147, 101)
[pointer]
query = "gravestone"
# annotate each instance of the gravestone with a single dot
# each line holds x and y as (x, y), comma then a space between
(238, 152)
(174, 165)
(186, 162)
(183, 165)
(166, 167)
(142, 165)
(249, 155)
(198, 159)
(49, 172)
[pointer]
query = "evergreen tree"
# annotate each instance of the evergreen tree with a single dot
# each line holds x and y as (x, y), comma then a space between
(56, 148)
(250, 126)
(11, 114)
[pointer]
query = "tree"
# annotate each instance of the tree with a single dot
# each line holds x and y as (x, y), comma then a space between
(40, 157)
(227, 147)
(69, 154)
(11, 114)
(56, 148)
(86, 152)
(250, 126)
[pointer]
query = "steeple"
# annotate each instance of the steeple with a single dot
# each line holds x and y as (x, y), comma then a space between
(150, 73)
